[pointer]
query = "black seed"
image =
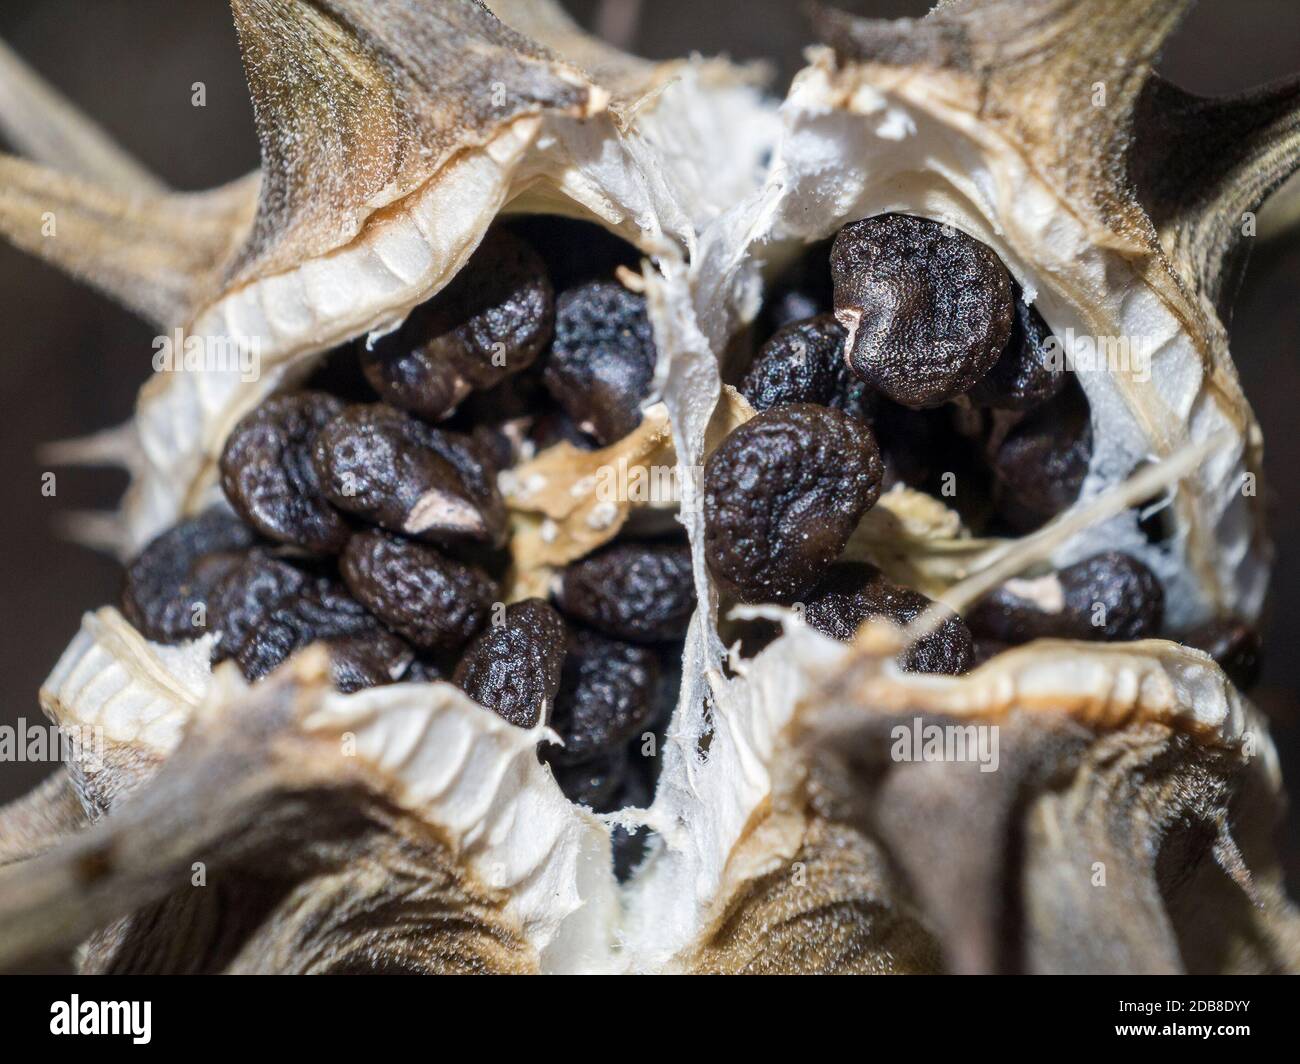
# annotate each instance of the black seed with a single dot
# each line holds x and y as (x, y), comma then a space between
(493, 320)
(247, 595)
(854, 592)
(638, 591)
(178, 571)
(1041, 463)
(268, 475)
(593, 783)
(1111, 597)
(394, 470)
(268, 609)
(804, 363)
(927, 307)
(367, 659)
(431, 600)
(1029, 371)
(603, 359)
(1234, 644)
(782, 495)
(513, 668)
(608, 693)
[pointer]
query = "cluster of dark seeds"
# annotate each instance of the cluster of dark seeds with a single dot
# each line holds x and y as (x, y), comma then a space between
(905, 353)
(367, 516)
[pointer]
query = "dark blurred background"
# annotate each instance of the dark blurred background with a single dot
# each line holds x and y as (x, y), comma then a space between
(74, 360)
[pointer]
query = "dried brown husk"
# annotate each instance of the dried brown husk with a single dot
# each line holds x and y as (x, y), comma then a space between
(405, 828)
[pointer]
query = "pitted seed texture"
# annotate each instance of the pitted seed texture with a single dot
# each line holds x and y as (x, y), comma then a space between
(608, 693)
(602, 360)
(1029, 371)
(168, 585)
(321, 611)
(433, 601)
(513, 668)
(1234, 644)
(491, 321)
(644, 592)
(401, 474)
(782, 495)
(928, 309)
(1041, 463)
(854, 592)
(268, 475)
(804, 363)
(247, 595)
(1109, 597)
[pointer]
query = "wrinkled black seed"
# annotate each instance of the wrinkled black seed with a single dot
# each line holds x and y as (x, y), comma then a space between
(397, 472)
(782, 495)
(602, 360)
(176, 573)
(928, 308)
(1041, 463)
(1030, 370)
(608, 693)
(491, 321)
(804, 363)
(1111, 597)
(854, 592)
(594, 783)
(367, 659)
(431, 600)
(268, 475)
(1234, 644)
(247, 595)
(638, 591)
(267, 609)
(513, 668)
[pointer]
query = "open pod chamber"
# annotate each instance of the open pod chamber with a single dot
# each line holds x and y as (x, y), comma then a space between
(405, 827)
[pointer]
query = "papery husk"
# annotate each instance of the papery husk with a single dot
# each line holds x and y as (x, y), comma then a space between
(405, 828)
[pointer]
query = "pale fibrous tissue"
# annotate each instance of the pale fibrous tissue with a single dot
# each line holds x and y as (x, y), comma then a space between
(872, 689)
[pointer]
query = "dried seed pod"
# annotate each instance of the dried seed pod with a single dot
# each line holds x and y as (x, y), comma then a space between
(803, 362)
(609, 692)
(854, 592)
(1030, 370)
(513, 668)
(644, 592)
(492, 321)
(1042, 461)
(168, 585)
(1232, 643)
(429, 599)
(268, 475)
(782, 495)
(406, 476)
(1146, 756)
(928, 309)
(602, 360)
(1110, 596)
